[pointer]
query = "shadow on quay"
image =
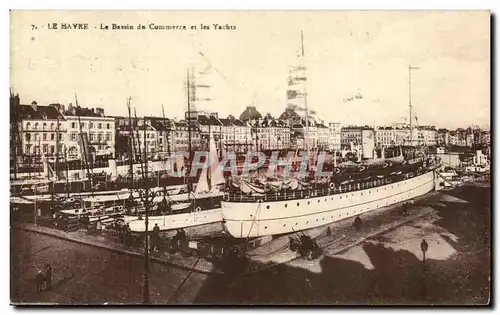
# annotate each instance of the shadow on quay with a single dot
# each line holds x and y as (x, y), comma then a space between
(397, 277)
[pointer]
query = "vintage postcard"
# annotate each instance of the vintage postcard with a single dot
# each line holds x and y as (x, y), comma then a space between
(250, 157)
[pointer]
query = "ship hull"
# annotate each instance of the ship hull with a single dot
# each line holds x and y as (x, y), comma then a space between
(247, 219)
(178, 221)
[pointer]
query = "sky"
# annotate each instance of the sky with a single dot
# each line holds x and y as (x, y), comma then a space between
(346, 52)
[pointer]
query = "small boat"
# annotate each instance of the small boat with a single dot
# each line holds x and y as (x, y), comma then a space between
(180, 206)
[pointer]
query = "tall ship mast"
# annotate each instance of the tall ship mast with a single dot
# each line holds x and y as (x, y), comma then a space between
(189, 125)
(297, 90)
(303, 66)
(410, 105)
(132, 143)
(200, 206)
(84, 141)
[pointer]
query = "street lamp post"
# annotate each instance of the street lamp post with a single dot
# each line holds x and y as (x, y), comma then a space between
(147, 197)
(424, 246)
(35, 205)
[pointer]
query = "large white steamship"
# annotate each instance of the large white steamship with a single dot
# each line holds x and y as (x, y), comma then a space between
(270, 208)
(285, 212)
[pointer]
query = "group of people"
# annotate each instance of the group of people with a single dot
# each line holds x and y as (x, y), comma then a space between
(125, 234)
(180, 240)
(406, 206)
(44, 277)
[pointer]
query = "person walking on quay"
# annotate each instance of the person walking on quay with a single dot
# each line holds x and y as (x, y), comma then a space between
(127, 235)
(358, 223)
(124, 233)
(120, 229)
(156, 232)
(98, 226)
(39, 279)
(48, 276)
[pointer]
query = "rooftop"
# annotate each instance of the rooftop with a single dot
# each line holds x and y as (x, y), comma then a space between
(212, 120)
(250, 113)
(81, 111)
(35, 111)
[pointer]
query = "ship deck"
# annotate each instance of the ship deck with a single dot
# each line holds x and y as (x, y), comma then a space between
(318, 192)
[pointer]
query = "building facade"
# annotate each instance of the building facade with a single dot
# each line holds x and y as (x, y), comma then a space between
(334, 136)
(353, 135)
(91, 124)
(180, 137)
(323, 134)
(399, 134)
(43, 131)
(443, 137)
(236, 134)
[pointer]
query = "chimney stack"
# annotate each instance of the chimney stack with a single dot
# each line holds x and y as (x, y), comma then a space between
(34, 105)
(14, 100)
(71, 109)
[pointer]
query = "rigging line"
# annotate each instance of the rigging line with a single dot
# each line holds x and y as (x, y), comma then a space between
(272, 252)
(183, 281)
(253, 222)
(222, 74)
(210, 65)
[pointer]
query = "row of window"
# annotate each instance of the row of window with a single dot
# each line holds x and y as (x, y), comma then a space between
(176, 134)
(35, 149)
(45, 136)
(43, 126)
(53, 126)
(92, 136)
(92, 125)
(148, 143)
(50, 149)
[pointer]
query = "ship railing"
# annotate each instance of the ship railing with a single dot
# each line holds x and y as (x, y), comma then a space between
(318, 192)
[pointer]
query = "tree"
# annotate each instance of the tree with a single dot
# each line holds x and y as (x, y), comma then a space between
(146, 195)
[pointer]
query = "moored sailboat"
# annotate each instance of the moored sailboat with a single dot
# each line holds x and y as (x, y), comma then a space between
(197, 208)
(200, 207)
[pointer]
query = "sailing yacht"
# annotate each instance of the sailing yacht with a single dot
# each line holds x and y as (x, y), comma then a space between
(201, 207)
(199, 210)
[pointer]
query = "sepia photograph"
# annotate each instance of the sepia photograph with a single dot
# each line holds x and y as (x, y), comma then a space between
(250, 158)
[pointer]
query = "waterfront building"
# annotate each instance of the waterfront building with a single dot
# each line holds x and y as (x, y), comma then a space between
(236, 134)
(42, 131)
(399, 134)
(443, 137)
(97, 129)
(454, 138)
(486, 138)
(180, 137)
(334, 135)
(353, 135)
(323, 134)
(273, 134)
